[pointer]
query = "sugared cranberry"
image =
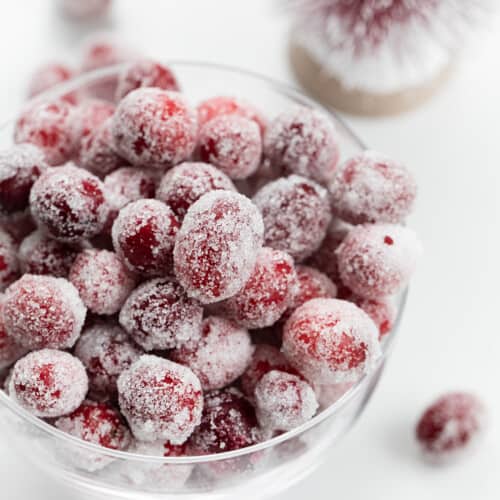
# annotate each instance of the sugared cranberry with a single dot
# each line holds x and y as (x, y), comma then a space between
(224, 105)
(131, 184)
(450, 426)
(154, 127)
(220, 356)
(106, 351)
(296, 215)
(265, 358)
(49, 75)
(382, 311)
(145, 73)
(48, 383)
(302, 141)
(159, 315)
(267, 294)
(160, 400)
(69, 203)
(186, 183)
(10, 350)
(372, 188)
(84, 11)
(217, 245)
(233, 144)
(284, 401)
(330, 341)
(102, 280)
(96, 423)
(48, 126)
(144, 235)
(328, 394)
(18, 224)
(9, 263)
(43, 311)
(20, 167)
(377, 260)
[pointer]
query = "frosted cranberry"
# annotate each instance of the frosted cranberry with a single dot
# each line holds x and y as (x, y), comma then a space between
(160, 400)
(330, 341)
(18, 225)
(220, 356)
(228, 423)
(131, 184)
(106, 351)
(224, 105)
(186, 183)
(83, 11)
(267, 294)
(88, 116)
(48, 383)
(50, 75)
(9, 264)
(48, 126)
(20, 167)
(96, 152)
(158, 476)
(265, 358)
(99, 424)
(154, 127)
(296, 215)
(145, 73)
(144, 234)
(450, 426)
(159, 315)
(102, 280)
(377, 260)
(69, 203)
(372, 188)
(382, 311)
(231, 143)
(217, 245)
(284, 401)
(302, 141)
(10, 350)
(328, 394)
(43, 311)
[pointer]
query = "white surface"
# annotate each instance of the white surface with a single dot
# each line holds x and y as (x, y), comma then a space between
(450, 336)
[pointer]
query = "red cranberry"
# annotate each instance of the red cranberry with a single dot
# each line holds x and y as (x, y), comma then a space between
(159, 315)
(160, 400)
(383, 312)
(50, 75)
(18, 225)
(9, 264)
(10, 350)
(131, 184)
(48, 383)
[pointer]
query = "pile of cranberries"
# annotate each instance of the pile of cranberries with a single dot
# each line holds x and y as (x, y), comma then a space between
(133, 301)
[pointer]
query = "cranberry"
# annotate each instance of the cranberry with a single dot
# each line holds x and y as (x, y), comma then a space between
(18, 225)
(10, 350)
(131, 184)
(9, 264)
(382, 311)
(48, 76)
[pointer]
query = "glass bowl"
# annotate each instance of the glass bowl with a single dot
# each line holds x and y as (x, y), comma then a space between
(258, 471)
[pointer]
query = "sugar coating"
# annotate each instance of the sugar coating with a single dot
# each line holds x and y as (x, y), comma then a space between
(159, 315)
(85, 11)
(296, 215)
(228, 423)
(145, 73)
(131, 184)
(20, 167)
(160, 400)
(302, 141)
(70, 203)
(451, 426)
(158, 476)
(284, 401)
(330, 341)
(370, 187)
(49, 75)
(144, 234)
(154, 127)
(233, 144)
(227, 105)
(102, 280)
(186, 183)
(220, 356)
(268, 293)
(376, 260)
(217, 245)
(10, 350)
(43, 311)
(40, 254)
(48, 383)
(265, 358)
(96, 423)
(106, 351)
(9, 263)
(96, 152)
(382, 311)
(47, 125)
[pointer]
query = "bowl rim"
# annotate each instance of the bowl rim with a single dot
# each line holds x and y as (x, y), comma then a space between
(296, 95)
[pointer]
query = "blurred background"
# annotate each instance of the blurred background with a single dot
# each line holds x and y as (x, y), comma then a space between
(450, 336)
